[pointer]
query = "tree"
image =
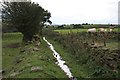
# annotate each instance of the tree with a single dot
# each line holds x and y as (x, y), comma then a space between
(26, 17)
(60, 27)
(46, 18)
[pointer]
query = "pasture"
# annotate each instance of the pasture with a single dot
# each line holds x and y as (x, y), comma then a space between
(64, 31)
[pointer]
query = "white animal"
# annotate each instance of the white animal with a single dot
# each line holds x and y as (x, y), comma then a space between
(91, 30)
(105, 30)
(102, 30)
(111, 30)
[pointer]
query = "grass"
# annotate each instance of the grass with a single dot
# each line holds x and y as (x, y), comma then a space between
(112, 45)
(76, 68)
(9, 38)
(64, 31)
(42, 58)
(109, 44)
(84, 62)
(79, 69)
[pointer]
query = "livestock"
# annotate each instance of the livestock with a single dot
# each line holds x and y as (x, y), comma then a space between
(91, 30)
(111, 30)
(102, 30)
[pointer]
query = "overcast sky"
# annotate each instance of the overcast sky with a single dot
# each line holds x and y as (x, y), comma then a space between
(81, 11)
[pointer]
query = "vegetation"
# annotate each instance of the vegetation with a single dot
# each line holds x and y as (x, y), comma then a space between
(21, 62)
(90, 52)
(85, 59)
(82, 26)
(88, 55)
(65, 31)
(20, 15)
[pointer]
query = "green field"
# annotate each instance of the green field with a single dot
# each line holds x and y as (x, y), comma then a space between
(64, 31)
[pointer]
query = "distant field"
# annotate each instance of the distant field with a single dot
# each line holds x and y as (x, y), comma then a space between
(71, 30)
(64, 31)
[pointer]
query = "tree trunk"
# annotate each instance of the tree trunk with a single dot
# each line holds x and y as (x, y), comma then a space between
(27, 38)
(40, 32)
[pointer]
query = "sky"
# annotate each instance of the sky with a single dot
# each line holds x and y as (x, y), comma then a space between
(81, 11)
(119, 13)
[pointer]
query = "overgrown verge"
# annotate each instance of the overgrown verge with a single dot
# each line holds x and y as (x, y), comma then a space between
(97, 52)
(28, 63)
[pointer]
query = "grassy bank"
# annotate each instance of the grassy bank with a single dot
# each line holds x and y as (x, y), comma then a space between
(71, 47)
(85, 53)
(77, 69)
(14, 61)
